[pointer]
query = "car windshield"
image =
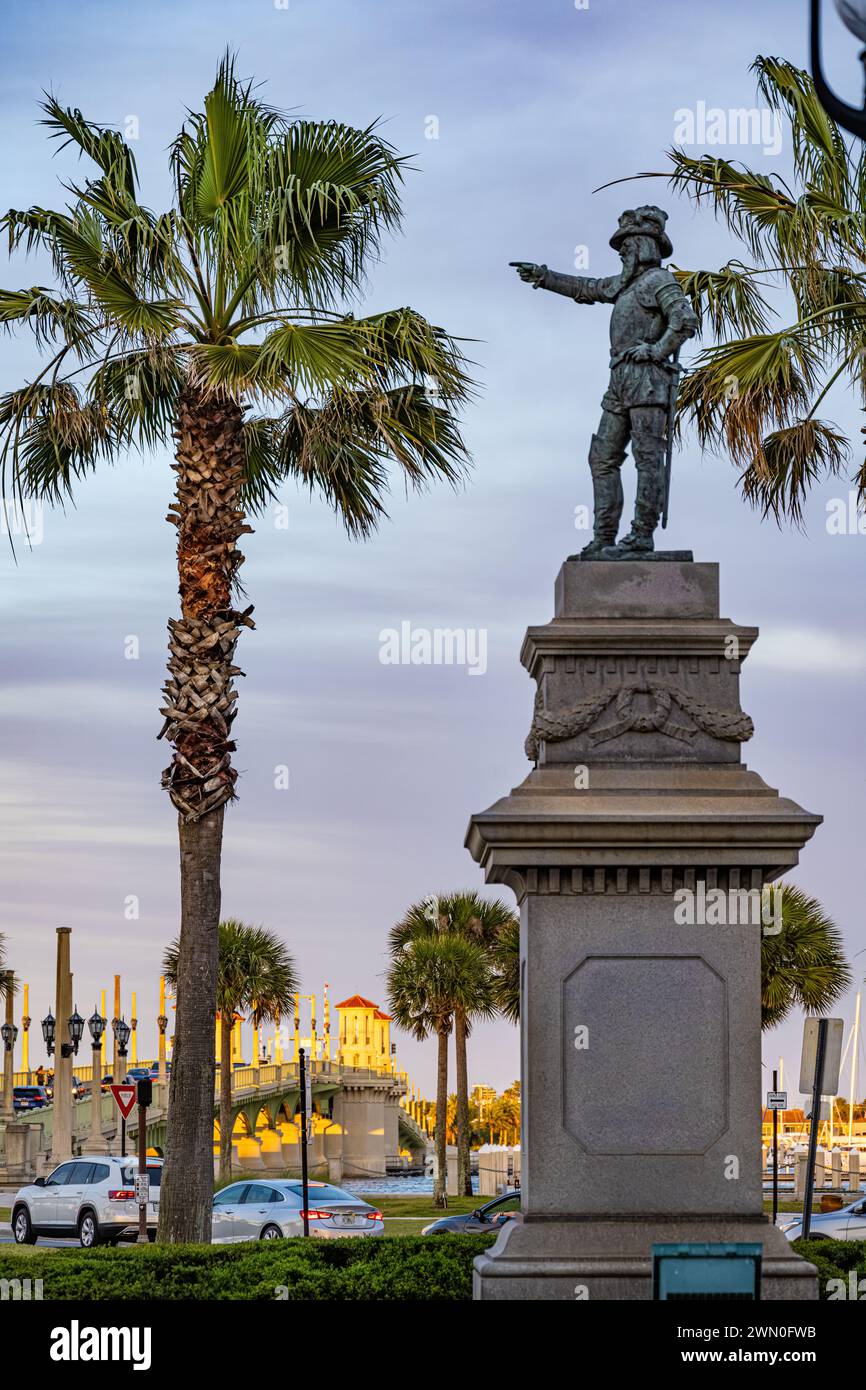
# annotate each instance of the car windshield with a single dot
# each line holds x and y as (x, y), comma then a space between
(321, 1192)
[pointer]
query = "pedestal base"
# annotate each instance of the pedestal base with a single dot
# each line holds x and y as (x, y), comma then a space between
(611, 1258)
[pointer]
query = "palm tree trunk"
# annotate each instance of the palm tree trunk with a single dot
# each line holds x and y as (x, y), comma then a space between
(187, 1188)
(199, 710)
(226, 1096)
(464, 1176)
(440, 1183)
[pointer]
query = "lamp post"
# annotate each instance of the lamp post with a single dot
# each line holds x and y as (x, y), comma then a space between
(162, 1024)
(96, 1024)
(9, 1033)
(121, 1030)
(121, 1038)
(853, 15)
(61, 1136)
(48, 1025)
(25, 1026)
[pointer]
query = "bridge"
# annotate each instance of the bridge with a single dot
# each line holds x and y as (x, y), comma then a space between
(360, 1122)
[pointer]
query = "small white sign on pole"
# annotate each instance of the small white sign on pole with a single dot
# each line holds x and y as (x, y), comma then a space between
(142, 1189)
(777, 1100)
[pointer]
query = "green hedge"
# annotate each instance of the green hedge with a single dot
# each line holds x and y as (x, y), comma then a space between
(407, 1268)
(835, 1259)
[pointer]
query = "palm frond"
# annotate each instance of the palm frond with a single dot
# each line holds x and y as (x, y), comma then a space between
(105, 147)
(788, 463)
(727, 300)
(49, 318)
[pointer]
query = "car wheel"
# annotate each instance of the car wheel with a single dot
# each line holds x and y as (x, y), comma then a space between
(271, 1233)
(88, 1231)
(22, 1229)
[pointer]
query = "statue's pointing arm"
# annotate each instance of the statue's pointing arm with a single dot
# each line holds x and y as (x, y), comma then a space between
(582, 288)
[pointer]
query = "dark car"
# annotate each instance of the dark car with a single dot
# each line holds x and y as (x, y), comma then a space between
(79, 1089)
(136, 1074)
(29, 1098)
(483, 1221)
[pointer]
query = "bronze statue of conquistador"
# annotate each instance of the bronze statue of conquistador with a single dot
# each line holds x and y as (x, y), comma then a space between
(651, 320)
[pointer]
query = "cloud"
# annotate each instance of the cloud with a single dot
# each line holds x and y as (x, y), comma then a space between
(809, 651)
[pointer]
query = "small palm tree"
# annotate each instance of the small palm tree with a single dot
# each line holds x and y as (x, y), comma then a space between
(758, 391)
(219, 327)
(429, 981)
(255, 974)
(804, 965)
(476, 919)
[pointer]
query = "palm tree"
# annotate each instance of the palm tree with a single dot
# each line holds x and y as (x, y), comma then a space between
(429, 981)
(802, 966)
(759, 389)
(505, 959)
(217, 324)
(478, 920)
(255, 973)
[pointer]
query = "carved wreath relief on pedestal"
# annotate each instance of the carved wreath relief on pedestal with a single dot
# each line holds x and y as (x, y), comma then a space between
(730, 725)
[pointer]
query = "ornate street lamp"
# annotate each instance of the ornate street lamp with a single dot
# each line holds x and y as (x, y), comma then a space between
(96, 1024)
(48, 1029)
(76, 1028)
(121, 1032)
(853, 15)
(8, 1033)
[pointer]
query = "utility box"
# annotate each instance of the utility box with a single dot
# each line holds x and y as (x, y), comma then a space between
(702, 1271)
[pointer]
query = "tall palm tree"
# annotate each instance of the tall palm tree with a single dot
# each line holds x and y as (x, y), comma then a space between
(505, 959)
(758, 391)
(255, 975)
(802, 966)
(429, 981)
(217, 325)
(478, 920)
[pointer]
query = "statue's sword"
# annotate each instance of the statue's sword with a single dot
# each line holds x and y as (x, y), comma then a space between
(675, 369)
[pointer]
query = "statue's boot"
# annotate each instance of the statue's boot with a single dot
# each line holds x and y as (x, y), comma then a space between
(596, 547)
(631, 547)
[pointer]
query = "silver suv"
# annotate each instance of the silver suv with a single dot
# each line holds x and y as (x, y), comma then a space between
(91, 1198)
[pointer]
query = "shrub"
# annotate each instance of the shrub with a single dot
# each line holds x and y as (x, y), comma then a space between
(407, 1268)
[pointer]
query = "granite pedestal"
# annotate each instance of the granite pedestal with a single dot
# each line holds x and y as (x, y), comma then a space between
(641, 1043)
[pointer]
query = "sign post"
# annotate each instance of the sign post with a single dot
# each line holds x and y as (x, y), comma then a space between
(819, 1073)
(124, 1099)
(305, 1191)
(142, 1181)
(776, 1100)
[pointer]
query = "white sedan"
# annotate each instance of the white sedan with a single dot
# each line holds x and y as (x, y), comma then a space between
(274, 1209)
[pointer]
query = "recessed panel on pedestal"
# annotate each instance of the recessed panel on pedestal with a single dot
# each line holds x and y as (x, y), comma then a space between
(645, 1047)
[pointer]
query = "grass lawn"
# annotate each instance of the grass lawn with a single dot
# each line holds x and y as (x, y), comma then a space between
(407, 1216)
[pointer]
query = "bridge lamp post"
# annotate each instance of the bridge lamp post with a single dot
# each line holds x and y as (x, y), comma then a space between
(122, 1031)
(48, 1026)
(9, 1033)
(96, 1023)
(853, 15)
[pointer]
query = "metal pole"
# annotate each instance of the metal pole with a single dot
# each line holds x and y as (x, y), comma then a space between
(813, 1127)
(123, 1136)
(305, 1191)
(774, 1151)
(854, 1045)
(142, 1173)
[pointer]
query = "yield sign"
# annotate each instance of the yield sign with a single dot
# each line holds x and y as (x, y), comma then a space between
(124, 1097)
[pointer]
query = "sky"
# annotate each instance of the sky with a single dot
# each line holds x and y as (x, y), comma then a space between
(515, 114)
